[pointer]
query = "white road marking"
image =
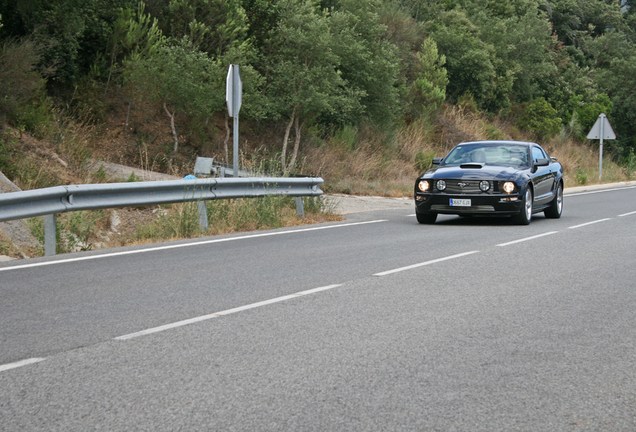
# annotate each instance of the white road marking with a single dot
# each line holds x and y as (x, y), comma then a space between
(589, 223)
(8, 366)
(401, 269)
(223, 313)
(627, 214)
(527, 239)
(600, 191)
(184, 245)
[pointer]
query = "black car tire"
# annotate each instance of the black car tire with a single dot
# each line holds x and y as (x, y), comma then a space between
(556, 206)
(426, 218)
(525, 214)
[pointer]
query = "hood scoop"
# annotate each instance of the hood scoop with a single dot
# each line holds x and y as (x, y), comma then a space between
(472, 165)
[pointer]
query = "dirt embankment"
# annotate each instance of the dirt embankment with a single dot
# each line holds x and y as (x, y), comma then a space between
(16, 234)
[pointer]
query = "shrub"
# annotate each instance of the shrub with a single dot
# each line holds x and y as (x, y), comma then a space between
(424, 160)
(22, 90)
(540, 119)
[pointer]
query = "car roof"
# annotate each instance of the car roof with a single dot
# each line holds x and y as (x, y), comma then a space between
(499, 142)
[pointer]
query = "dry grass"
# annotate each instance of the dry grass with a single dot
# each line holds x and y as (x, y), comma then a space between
(388, 166)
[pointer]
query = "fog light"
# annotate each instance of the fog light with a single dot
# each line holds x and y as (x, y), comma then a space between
(484, 185)
(441, 185)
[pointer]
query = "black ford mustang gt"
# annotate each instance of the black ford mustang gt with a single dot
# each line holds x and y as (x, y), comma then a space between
(491, 178)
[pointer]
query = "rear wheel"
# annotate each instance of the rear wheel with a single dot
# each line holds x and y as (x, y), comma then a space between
(525, 215)
(426, 218)
(556, 206)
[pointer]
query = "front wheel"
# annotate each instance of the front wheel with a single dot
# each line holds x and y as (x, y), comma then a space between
(426, 218)
(525, 215)
(556, 206)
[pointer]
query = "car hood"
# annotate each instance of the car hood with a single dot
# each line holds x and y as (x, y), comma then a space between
(475, 172)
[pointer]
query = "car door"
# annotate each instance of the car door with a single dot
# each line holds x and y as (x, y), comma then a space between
(542, 177)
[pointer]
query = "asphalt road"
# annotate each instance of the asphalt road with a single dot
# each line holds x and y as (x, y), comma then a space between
(375, 323)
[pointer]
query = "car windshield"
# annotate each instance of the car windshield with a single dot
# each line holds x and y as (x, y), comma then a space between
(512, 155)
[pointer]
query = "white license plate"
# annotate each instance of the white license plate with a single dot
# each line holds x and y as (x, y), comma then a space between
(456, 202)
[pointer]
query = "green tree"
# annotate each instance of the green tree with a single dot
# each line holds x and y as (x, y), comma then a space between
(540, 119)
(183, 80)
(22, 89)
(468, 58)
(428, 91)
(367, 61)
(303, 79)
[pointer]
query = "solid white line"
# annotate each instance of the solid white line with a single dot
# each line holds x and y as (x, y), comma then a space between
(223, 313)
(589, 223)
(627, 214)
(527, 239)
(397, 270)
(184, 245)
(600, 191)
(8, 366)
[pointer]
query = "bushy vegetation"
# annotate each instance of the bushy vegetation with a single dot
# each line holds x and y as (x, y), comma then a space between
(311, 68)
(314, 72)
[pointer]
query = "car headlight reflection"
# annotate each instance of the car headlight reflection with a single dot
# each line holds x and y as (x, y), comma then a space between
(440, 185)
(484, 185)
(508, 187)
(423, 186)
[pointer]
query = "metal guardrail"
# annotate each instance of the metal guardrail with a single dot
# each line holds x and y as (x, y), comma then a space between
(61, 199)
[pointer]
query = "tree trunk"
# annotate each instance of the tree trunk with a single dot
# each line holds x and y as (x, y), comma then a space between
(175, 136)
(283, 156)
(297, 129)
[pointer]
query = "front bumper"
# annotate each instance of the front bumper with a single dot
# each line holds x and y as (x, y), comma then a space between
(484, 204)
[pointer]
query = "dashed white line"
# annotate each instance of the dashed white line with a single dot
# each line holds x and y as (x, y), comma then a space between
(527, 238)
(410, 267)
(627, 214)
(223, 313)
(589, 223)
(9, 366)
(599, 191)
(184, 245)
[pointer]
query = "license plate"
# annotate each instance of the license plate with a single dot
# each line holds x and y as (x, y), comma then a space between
(456, 202)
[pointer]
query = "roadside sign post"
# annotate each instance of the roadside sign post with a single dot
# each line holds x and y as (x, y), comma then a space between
(233, 98)
(601, 130)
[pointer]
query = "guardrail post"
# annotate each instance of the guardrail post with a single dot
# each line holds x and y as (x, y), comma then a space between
(300, 207)
(50, 235)
(203, 215)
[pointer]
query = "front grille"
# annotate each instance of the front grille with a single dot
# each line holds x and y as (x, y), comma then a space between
(462, 187)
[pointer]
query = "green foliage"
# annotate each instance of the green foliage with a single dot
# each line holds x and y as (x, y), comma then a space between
(182, 220)
(581, 176)
(540, 119)
(428, 92)
(185, 81)
(319, 64)
(6, 157)
(630, 163)
(75, 230)
(587, 112)
(424, 160)
(133, 178)
(347, 137)
(23, 99)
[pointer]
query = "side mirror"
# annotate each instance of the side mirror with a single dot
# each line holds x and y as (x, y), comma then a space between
(542, 162)
(437, 161)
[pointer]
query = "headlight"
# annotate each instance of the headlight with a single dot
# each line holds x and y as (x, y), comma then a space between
(440, 185)
(423, 186)
(508, 187)
(484, 185)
